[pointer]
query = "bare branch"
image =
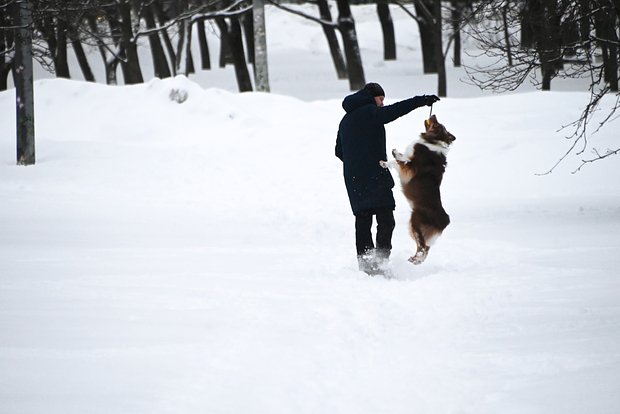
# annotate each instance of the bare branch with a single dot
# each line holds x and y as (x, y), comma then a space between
(598, 157)
(304, 15)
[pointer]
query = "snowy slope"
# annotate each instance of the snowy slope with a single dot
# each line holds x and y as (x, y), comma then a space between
(199, 258)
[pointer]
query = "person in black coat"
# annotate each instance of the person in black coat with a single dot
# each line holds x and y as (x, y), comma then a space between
(360, 145)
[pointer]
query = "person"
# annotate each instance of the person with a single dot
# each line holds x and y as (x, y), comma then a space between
(360, 145)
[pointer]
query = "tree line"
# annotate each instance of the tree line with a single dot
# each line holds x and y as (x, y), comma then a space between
(524, 36)
(528, 40)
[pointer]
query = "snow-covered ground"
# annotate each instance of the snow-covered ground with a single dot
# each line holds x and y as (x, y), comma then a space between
(199, 257)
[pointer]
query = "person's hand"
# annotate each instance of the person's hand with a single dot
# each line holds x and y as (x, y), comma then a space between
(430, 99)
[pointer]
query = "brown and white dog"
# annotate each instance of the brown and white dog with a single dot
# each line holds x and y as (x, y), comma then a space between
(421, 170)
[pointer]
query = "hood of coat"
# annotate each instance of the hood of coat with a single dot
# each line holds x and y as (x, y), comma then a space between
(357, 100)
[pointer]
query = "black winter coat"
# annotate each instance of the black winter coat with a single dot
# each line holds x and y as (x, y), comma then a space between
(361, 145)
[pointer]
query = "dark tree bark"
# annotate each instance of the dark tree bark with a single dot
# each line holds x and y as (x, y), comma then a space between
(160, 63)
(81, 56)
(184, 61)
(248, 30)
(130, 64)
(205, 59)
(332, 40)
(160, 16)
(189, 57)
(606, 21)
(346, 26)
(527, 33)
(457, 19)
(24, 89)
(387, 27)
(505, 10)
(226, 56)
(442, 82)
(61, 65)
(584, 23)
(109, 64)
(424, 11)
(241, 67)
(231, 34)
(6, 43)
(545, 26)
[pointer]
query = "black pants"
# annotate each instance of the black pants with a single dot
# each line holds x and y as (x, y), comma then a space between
(385, 227)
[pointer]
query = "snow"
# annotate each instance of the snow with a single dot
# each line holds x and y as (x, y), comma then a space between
(166, 257)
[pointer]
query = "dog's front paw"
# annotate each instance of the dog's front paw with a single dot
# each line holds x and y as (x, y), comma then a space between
(384, 164)
(398, 155)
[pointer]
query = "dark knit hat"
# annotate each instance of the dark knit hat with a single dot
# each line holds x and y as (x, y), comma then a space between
(374, 89)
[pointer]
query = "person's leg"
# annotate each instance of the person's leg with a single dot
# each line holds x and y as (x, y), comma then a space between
(363, 234)
(363, 241)
(385, 228)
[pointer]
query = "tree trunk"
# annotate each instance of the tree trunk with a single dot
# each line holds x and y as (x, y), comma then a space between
(110, 72)
(61, 65)
(5, 69)
(346, 25)
(189, 57)
(457, 18)
(205, 59)
(225, 48)
(184, 61)
(247, 20)
(261, 68)
(241, 67)
(24, 89)
(442, 82)
(332, 40)
(424, 10)
(584, 24)
(505, 10)
(130, 63)
(387, 27)
(232, 37)
(527, 33)
(544, 24)
(606, 31)
(81, 56)
(160, 63)
(161, 18)
(6, 42)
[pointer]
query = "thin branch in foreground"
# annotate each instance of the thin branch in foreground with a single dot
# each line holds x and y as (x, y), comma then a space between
(598, 157)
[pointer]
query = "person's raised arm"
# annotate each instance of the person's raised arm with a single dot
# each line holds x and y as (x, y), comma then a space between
(389, 113)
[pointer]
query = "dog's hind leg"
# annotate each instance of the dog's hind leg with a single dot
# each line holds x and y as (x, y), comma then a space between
(417, 235)
(420, 255)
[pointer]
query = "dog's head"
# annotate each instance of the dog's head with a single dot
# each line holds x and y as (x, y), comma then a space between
(436, 133)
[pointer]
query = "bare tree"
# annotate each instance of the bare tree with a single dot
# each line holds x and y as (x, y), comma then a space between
(559, 39)
(24, 89)
(7, 45)
(332, 40)
(387, 27)
(261, 73)
(346, 26)
(428, 16)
